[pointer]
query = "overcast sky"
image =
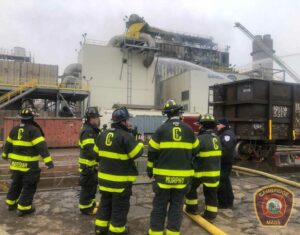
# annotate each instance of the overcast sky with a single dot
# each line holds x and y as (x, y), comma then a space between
(51, 29)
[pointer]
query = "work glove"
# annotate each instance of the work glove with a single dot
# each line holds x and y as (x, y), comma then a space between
(50, 165)
(149, 172)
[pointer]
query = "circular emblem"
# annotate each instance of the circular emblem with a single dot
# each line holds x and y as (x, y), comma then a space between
(273, 205)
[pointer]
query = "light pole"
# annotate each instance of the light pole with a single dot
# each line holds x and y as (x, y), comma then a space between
(88, 87)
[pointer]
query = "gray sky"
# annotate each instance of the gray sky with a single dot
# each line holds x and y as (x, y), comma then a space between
(51, 29)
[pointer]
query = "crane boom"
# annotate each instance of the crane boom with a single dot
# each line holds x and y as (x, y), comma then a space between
(270, 53)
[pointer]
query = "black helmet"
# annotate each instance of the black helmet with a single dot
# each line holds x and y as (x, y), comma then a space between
(120, 114)
(206, 118)
(171, 107)
(207, 121)
(27, 113)
(92, 112)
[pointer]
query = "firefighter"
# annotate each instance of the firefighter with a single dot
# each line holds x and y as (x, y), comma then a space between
(23, 147)
(228, 140)
(170, 154)
(88, 162)
(207, 169)
(117, 149)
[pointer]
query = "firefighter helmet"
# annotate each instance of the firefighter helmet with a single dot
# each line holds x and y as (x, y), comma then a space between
(171, 107)
(120, 114)
(27, 113)
(206, 118)
(92, 112)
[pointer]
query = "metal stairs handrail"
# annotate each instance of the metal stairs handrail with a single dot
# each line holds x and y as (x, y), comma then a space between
(18, 92)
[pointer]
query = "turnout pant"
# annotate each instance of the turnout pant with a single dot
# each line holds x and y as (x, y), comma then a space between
(111, 217)
(23, 188)
(174, 198)
(88, 182)
(225, 193)
(210, 195)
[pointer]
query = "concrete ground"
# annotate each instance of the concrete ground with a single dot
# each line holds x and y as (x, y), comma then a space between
(57, 213)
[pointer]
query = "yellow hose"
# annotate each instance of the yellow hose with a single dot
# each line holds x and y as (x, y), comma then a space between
(212, 229)
(280, 179)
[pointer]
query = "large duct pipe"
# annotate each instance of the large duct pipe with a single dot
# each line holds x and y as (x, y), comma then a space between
(73, 70)
(148, 56)
(72, 75)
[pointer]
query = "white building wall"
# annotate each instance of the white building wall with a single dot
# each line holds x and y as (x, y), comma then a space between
(200, 83)
(197, 83)
(174, 86)
(104, 64)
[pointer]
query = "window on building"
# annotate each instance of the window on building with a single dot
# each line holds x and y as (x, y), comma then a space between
(185, 95)
(186, 107)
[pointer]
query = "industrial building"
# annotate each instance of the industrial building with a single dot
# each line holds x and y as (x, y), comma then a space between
(141, 67)
(189, 88)
(116, 76)
(23, 82)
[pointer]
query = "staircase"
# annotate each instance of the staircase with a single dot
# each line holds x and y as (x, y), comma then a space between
(18, 93)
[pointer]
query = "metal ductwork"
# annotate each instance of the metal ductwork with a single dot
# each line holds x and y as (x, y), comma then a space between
(73, 70)
(72, 75)
(116, 41)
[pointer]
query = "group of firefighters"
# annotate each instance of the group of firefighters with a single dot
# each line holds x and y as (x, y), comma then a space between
(178, 161)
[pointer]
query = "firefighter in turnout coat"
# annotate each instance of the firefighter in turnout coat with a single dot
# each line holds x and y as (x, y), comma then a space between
(24, 146)
(117, 149)
(170, 154)
(207, 169)
(88, 165)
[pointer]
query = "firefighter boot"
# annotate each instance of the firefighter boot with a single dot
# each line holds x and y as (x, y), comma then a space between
(22, 213)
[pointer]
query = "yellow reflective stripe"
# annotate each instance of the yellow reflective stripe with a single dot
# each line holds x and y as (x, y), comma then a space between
(87, 206)
(15, 168)
(151, 232)
(207, 174)
(212, 208)
(136, 150)
(165, 172)
(23, 208)
(23, 158)
(216, 153)
(47, 159)
(175, 145)
(111, 190)
(116, 178)
(169, 232)
(22, 143)
(149, 164)
(4, 155)
(38, 140)
(169, 186)
(196, 143)
(9, 140)
(87, 141)
(154, 144)
(87, 162)
(119, 156)
(116, 229)
(101, 223)
(96, 149)
(191, 201)
(212, 185)
(10, 202)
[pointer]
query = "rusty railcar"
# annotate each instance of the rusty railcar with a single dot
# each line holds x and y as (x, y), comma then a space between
(263, 114)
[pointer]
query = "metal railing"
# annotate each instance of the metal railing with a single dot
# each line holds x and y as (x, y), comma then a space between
(18, 90)
(62, 86)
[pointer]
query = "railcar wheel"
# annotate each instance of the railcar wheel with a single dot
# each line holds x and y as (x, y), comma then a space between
(243, 150)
